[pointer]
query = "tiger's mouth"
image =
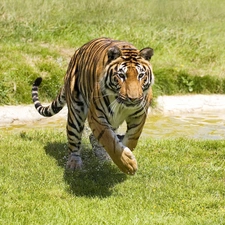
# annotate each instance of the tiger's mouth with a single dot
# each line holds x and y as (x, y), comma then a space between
(129, 101)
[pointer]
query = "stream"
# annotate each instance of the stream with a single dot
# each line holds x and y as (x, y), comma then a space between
(207, 125)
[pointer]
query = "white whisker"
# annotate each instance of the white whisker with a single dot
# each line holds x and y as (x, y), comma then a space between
(113, 106)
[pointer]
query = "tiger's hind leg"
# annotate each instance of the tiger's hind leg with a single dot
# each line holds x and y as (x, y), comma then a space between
(77, 114)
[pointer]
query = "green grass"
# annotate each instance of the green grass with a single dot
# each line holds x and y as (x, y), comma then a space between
(179, 181)
(38, 38)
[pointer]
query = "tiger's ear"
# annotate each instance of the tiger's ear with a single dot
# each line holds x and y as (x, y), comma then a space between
(146, 53)
(113, 53)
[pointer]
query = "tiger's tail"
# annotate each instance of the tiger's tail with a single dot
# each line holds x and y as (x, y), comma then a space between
(51, 109)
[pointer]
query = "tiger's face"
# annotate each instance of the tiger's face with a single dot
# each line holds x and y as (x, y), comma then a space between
(130, 79)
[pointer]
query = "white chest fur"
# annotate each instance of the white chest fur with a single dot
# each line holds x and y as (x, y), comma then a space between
(119, 114)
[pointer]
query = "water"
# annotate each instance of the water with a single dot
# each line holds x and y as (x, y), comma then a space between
(201, 125)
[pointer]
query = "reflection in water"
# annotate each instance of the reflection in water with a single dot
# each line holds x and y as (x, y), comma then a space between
(201, 125)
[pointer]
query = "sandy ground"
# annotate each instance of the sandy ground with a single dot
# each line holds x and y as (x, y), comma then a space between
(190, 103)
(23, 114)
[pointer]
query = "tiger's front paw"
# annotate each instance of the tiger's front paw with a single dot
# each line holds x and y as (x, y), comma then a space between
(126, 162)
(129, 161)
(74, 162)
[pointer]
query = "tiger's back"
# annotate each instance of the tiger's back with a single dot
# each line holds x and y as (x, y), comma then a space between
(109, 82)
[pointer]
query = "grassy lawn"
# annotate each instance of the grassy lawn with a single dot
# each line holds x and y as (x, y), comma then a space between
(179, 181)
(38, 38)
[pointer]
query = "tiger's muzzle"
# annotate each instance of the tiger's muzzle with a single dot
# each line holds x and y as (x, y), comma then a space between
(128, 101)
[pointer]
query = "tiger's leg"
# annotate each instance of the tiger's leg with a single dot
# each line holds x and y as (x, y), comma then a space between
(134, 129)
(120, 154)
(77, 114)
(98, 150)
(136, 123)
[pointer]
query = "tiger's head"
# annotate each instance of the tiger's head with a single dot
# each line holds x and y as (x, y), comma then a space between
(129, 75)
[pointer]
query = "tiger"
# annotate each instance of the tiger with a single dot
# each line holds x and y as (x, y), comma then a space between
(107, 82)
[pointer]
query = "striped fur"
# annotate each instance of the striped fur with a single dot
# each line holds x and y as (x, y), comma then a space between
(108, 82)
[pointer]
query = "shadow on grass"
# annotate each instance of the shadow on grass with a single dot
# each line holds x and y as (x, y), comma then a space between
(96, 179)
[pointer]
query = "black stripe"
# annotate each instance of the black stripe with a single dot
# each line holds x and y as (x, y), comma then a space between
(102, 133)
(107, 103)
(73, 135)
(75, 125)
(136, 113)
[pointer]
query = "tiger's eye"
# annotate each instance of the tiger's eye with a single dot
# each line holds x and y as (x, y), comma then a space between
(122, 76)
(141, 75)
